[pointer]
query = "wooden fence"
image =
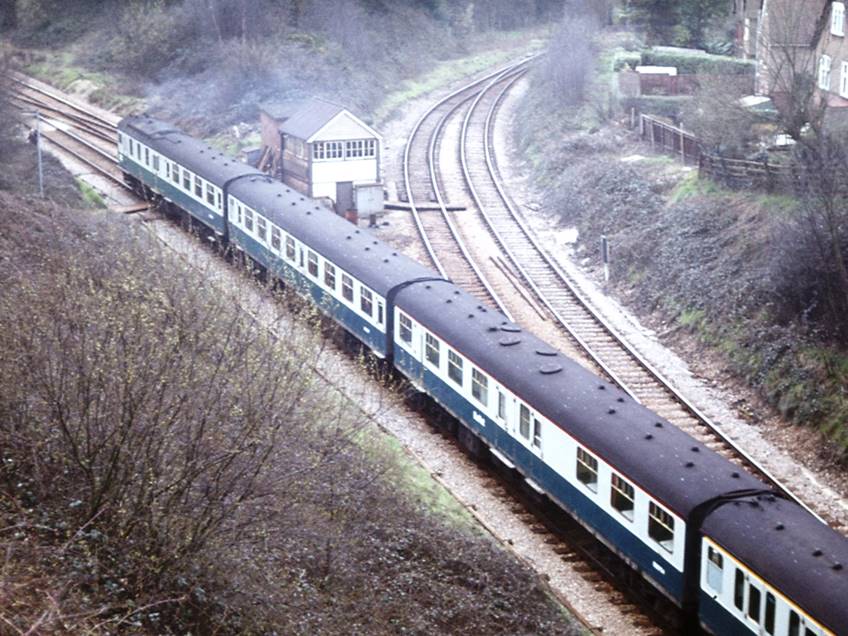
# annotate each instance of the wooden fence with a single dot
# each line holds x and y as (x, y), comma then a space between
(667, 138)
(744, 174)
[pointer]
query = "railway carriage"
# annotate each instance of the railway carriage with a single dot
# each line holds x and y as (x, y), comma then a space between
(737, 558)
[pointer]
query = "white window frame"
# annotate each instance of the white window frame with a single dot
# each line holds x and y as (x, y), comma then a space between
(825, 63)
(432, 350)
(480, 386)
(837, 18)
(843, 80)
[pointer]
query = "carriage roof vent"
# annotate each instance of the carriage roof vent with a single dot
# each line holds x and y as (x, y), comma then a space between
(550, 369)
(508, 341)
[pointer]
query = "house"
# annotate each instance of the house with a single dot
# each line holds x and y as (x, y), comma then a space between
(318, 147)
(832, 62)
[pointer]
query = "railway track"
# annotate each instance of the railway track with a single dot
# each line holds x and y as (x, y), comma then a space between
(524, 259)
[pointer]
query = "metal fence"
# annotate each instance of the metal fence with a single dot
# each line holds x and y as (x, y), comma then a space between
(667, 138)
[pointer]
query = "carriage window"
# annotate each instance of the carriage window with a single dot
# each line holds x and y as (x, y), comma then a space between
(210, 194)
(715, 566)
(366, 301)
(794, 624)
(147, 156)
(501, 405)
(480, 387)
(455, 367)
(275, 238)
(431, 349)
(155, 163)
(739, 589)
(524, 422)
(379, 312)
(330, 276)
(186, 180)
(167, 170)
(770, 610)
(312, 268)
(661, 526)
(198, 187)
(809, 632)
(248, 219)
(587, 469)
(220, 204)
(175, 174)
(347, 287)
(537, 433)
(261, 228)
(754, 603)
(290, 248)
(622, 496)
(405, 328)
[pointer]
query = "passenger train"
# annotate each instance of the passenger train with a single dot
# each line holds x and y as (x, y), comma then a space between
(735, 557)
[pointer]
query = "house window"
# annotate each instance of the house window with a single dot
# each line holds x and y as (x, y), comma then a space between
(843, 80)
(622, 496)
(290, 251)
(587, 469)
(248, 219)
(405, 328)
(275, 238)
(480, 387)
(330, 276)
(312, 264)
(431, 349)
(661, 527)
(261, 229)
(366, 301)
(824, 72)
(455, 367)
(837, 18)
(524, 422)
(347, 287)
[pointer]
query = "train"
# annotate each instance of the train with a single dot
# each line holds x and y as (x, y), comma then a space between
(736, 557)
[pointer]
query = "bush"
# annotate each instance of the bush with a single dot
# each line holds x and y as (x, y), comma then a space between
(693, 62)
(624, 59)
(665, 106)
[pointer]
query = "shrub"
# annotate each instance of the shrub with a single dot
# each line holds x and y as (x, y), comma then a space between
(691, 61)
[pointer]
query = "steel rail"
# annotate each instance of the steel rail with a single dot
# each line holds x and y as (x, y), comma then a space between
(617, 338)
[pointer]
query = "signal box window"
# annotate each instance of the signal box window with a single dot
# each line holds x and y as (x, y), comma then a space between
(455, 367)
(661, 527)
(480, 387)
(622, 496)
(432, 349)
(405, 328)
(524, 422)
(347, 287)
(587, 469)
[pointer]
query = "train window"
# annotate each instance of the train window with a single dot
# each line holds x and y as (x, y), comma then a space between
(220, 201)
(167, 170)
(622, 496)
(330, 276)
(431, 349)
(480, 387)
(248, 219)
(379, 313)
(175, 174)
(186, 180)
(754, 596)
(405, 328)
(770, 610)
(347, 287)
(275, 238)
(198, 187)
(312, 268)
(261, 228)
(537, 433)
(290, 252)
(455, 367)
(809, 632)
(715, 567)
(366, 301)
(661, 526)
(147, 156)
(210, 194)
(587, 469)
(739, 589)
(794, 624)
(501, 405)
(155, 163)
(524, 421)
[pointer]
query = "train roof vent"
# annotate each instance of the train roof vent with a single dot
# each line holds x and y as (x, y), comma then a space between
(611, 411)
(279, 195)
(695, 449)
(546, 352)
(471, 315)
(780, 527)
(817, 553)
(550, 369)
(735, 475)
(508, 341)
(689, 464)
(511, 328)
(837, 567)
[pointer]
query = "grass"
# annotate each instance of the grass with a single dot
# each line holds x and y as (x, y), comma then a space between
(447, 72)
(91, 196)
(691, 186)
(229, 145)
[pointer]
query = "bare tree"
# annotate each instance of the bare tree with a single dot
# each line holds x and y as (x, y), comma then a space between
(571, 57)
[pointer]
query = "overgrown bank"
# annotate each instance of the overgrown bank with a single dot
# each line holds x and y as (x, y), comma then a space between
(722, 265)
(168, 467)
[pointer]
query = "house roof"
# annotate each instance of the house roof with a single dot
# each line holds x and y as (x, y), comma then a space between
(310, 117)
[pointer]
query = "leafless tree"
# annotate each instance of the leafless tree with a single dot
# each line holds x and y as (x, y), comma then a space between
(569, 64)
